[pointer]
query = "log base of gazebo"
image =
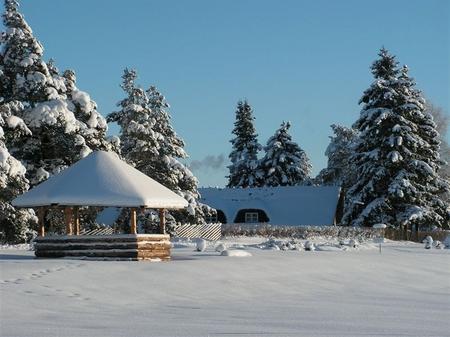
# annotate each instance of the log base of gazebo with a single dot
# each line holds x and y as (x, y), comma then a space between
(132, 247)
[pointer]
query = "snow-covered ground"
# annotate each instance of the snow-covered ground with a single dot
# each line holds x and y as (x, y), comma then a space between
(405, 291)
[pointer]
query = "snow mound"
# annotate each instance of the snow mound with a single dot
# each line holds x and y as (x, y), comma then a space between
(20, 246)
(201, 245)
(324, 248)
(284, 245)
(236, 253)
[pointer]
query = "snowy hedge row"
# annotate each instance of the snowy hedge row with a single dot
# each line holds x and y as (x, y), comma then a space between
(301, 232)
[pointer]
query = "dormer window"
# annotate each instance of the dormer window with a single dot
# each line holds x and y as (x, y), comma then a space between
(251, 217)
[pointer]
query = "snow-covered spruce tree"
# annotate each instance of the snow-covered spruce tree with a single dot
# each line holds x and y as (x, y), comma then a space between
(396, 155)
(57, 138)
(442, 121)
(285, 163)
(63, 121)
(93, 126)
(339, 170)
(169, 171)
(139, 143)
(15, 224)
(245, 148)
(149, 142)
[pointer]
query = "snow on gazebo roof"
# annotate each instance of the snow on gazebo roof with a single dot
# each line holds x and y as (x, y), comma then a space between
(101, 179)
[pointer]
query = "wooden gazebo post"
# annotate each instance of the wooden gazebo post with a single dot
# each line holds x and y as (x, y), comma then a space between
(133, 229)
(68, 220)
(162, 221)
(76, 220)
(41, 220)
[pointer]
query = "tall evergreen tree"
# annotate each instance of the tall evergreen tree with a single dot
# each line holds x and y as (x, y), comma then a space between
(50, 108)
(285, 163)
(150, 143)
(442, 121)
(139, 142)
(173, 173)
(396, 155)
(63, 122)
(339, 170)
(14, 223)
(93, 125)
(244, 155)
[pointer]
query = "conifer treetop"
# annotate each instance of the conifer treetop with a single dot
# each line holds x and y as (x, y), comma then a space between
(284, 163)
(245, 148)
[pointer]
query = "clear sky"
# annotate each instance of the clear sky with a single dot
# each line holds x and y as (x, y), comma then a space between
(302, 61)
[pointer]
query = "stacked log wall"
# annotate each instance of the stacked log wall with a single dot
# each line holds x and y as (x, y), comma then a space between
(114, 247)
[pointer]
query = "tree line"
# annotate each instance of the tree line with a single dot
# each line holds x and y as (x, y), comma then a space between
(391, 163)
(284, 163)
(47, 124)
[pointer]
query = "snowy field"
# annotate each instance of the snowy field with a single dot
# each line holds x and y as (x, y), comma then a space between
(405, 291)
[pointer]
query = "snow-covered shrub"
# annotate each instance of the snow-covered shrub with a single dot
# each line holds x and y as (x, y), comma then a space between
(447, 242)
(220, 247)
(437, 244)
(428, 242)
(360, 234)
(309, 246)
(353, 243)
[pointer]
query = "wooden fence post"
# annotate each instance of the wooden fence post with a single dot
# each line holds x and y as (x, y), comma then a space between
(133, 229)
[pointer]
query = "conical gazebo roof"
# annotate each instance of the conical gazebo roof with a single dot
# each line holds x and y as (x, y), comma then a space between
(101, 179)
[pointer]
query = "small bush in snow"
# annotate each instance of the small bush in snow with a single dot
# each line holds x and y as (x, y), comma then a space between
(428, 242)
(353, 243)
(437, 244)
(447, 242)
(309, 246)
(220, 248)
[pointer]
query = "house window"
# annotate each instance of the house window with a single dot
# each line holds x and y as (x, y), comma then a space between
(216, 217)
(211, 218)
(251, 217)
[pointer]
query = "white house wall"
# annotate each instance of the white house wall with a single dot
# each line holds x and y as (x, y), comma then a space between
(290, 205)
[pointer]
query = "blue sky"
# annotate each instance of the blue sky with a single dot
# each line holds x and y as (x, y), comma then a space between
(302, 61)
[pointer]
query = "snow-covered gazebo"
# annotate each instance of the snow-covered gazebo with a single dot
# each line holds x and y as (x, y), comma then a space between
(101, 179)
